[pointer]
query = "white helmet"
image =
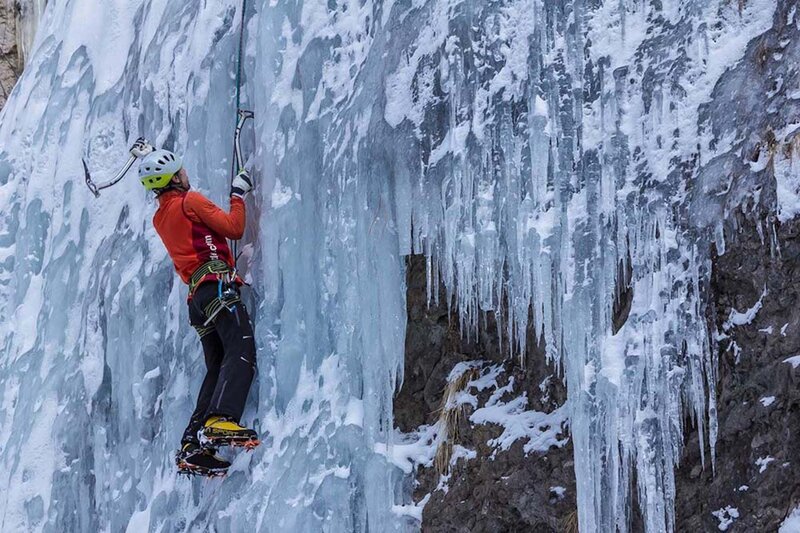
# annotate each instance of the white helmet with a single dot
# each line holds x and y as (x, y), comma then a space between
(157, 168)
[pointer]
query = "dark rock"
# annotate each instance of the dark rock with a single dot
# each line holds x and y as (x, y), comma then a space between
(10, 62)
(512, 491)
(498, 490)
(749, 430)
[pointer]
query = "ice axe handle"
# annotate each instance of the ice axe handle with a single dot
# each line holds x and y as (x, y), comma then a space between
(139, 149)
(97, 187)
(244, 115)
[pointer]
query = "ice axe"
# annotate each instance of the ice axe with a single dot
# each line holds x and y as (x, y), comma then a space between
(244, 115)
(139, 149)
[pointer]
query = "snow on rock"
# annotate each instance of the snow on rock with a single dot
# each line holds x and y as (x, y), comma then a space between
(762, 463)
(787, 177)
(541, 430)
(726, 516)
(738, 318)
(558, 491)
(410, 450)
(413, 510)
(794, 361)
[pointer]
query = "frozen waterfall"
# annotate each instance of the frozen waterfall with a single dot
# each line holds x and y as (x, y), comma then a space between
(542, 154)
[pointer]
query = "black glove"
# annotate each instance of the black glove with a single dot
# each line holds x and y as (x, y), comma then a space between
(242, 184)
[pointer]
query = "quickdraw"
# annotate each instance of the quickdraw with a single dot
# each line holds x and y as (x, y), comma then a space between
(227, 298)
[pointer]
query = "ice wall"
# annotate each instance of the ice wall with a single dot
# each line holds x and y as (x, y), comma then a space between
(539, 153)
(552, 148)
(99, 368)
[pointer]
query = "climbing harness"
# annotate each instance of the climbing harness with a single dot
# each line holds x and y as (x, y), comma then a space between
(215, 269)
(227, 288)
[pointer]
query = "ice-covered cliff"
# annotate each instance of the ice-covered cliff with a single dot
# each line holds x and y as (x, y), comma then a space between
(566, 165)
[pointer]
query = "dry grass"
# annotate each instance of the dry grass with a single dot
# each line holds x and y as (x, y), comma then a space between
(742, 3)
(569, 524)
(792, 147)
(450, 417)
(774, 146)
(763, 52)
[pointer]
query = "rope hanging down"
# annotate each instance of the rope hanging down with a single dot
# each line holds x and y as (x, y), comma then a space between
(237, 164)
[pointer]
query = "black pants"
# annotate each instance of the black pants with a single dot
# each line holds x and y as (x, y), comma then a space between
(230, 354)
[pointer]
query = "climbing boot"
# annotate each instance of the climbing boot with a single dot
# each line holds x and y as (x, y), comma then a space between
(193, 459)
(225, 431)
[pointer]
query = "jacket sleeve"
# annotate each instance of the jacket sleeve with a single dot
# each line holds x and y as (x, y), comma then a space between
(230, 225)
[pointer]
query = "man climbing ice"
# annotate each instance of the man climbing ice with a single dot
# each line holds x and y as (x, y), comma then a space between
(194, 230)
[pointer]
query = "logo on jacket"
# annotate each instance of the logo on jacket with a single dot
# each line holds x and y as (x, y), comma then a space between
(212, 247)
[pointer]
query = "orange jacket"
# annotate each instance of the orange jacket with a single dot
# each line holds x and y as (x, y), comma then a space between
(194, 229)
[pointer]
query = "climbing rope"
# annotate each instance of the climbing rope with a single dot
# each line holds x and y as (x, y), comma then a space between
(239, 60)
(237, 162)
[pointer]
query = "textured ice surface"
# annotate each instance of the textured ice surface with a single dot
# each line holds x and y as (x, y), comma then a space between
(99, 368)
(540, 153)
(792, 522)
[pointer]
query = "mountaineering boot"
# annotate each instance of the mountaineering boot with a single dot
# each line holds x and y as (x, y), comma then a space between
(221, 430)
(195, 460)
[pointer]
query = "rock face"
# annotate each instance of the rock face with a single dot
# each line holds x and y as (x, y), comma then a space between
(757, 475)
(10, 67)
(497, 490)
(758, 451)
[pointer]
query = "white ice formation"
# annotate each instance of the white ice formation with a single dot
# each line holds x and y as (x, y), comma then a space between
(544, 155)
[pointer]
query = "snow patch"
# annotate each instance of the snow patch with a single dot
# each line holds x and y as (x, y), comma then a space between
(794, 361)
(726, 517)
(737, 318)
(542, 430)
(412, 510)
(409, 450)
(762, 463)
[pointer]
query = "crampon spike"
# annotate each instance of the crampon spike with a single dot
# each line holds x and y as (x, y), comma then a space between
(185, 469)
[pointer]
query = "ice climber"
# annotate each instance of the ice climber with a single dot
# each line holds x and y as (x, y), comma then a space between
(194, 231)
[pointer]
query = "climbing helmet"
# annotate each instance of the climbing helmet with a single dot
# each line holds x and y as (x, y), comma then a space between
(157, 169)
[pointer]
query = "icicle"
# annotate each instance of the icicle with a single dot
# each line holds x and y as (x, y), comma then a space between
(29, 13)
